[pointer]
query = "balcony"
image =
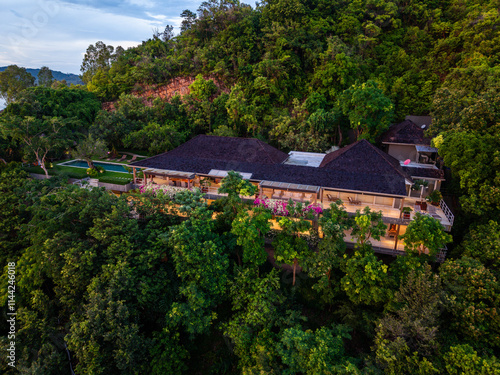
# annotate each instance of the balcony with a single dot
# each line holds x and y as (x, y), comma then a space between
(393, 215)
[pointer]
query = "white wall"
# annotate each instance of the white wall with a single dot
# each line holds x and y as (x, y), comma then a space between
(403, 152)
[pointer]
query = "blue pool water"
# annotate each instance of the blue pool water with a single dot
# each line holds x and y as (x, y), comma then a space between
(106, 166)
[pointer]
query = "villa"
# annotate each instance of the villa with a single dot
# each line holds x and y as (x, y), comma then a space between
(359, 174)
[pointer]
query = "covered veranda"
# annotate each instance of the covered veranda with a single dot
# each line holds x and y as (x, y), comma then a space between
(165, 177)
(287, 191)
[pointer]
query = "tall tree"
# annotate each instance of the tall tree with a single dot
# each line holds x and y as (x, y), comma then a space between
(319, 352)
(425, 232)
(369, 111)
(13, 81)
(367, 224)
(411, 324)
(45, 77)
(90, 148)
(328, 257)
(198, 255)
(474, 305)
(290, 247)
(38, 136)
(98, 56)
(250, 230)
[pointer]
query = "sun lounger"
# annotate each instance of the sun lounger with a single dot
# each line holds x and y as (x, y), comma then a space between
(133, 158)
(123, 158)
(277, 194)
(353, 201)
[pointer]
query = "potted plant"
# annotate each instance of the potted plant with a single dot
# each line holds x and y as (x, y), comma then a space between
(434, 198)
(406, 212)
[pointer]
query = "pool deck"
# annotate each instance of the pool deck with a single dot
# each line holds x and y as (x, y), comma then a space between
(66, 164)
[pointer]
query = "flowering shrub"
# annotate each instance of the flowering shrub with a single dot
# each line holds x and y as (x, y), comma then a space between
(165, 190)
(288, 208)
(94, 172)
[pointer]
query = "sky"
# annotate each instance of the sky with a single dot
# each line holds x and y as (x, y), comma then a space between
(56, 33)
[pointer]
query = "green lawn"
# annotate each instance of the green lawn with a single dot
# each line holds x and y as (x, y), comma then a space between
(78, 173)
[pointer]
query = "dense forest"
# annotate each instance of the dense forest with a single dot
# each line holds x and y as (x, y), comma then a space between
(146, 283)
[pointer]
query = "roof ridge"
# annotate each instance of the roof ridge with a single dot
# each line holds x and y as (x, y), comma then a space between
(261, 144)
(386, 157)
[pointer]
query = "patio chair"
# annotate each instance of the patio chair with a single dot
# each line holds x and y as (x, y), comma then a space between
(392, 232)
(298, 196)
(330, 198)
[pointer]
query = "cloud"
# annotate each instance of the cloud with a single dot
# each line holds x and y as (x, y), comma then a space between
(57, 33)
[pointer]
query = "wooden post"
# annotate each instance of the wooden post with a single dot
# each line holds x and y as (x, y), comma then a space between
(145, 178)
(316, 198)
(401, 208)
(260, 190)
(133, 170)
(321, 196)
(397, 235)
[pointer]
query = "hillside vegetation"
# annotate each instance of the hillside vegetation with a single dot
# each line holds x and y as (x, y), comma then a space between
(161, 283)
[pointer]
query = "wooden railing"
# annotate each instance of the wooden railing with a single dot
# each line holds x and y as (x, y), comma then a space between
(447, 212)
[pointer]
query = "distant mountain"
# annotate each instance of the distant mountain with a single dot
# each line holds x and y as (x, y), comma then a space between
(59, 76)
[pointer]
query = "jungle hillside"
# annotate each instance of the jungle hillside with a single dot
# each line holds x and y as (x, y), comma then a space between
(147, 283)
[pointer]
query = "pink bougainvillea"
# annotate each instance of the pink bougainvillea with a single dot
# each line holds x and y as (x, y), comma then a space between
(167, 190)
(283, 208)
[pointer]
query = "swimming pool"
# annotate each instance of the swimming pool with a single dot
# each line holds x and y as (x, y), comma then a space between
(112, 167)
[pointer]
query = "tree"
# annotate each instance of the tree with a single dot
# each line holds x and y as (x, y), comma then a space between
(463, 151)
(256, 302)
(463, 359)
(154, 137)
(45, 77)
(90, 148)
(250, 230)
(483, 243)
(198, 255)
(367, 224)
(425, 232)
(366, 280)
(319, 352)
(411, 324)
(98, 56)
(474, 305)
(234, 185)
(188, 21)
(13, 81)
(106, 337)
(38, 136)
(329, 255)
(370, 112)
(289, 247)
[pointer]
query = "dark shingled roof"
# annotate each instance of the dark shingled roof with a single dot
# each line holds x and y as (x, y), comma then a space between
(382, 174)
(425, 172)
(229, 149)
(405, 132)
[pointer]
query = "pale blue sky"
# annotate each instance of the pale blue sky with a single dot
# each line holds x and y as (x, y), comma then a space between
(56, 33)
